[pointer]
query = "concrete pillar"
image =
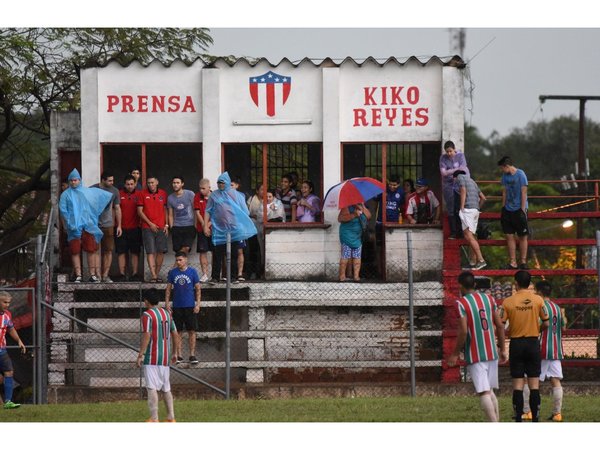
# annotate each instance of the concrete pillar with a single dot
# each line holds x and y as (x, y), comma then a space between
(453, 107)
(90, 141)
(211, 126)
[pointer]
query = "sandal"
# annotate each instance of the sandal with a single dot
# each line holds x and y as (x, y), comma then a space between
(154, 280)
(159, 280)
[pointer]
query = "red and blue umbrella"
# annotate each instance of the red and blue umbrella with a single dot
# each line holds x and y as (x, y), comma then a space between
(352, 191)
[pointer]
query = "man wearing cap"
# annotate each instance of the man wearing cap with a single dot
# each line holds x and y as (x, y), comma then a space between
(423, 206)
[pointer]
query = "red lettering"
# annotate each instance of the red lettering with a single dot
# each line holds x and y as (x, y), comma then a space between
(412, 95)
(383, 96)
(174, 103)
(422, 117)
(369, 100)
(142, 103)
(188, 105)
(158, 103)
(113, 100)
(376, 117)
(406, 117)
(127, 103)
(390, 115)
(360, 115)
(396, 100)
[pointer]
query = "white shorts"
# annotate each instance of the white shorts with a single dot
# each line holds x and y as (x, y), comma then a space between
(551, 368)
(484, 375)
(157, 378)
(469, 219)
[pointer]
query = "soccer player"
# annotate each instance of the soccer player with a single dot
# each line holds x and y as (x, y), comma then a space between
(551, 352)
(524, 310)
(478, 320)
(158, 331)
(183, 281)
(7, 327)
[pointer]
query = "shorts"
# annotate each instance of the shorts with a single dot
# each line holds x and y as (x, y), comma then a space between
(241, 245)
(183, 237)
(154, 242)
(525, 359)
(551, 368)
(484, 375)
(157, 378)
(203, 243)
(129, 241)
(514, 222)
(5, 363)
(107, 244)
(87, 242)
(469, 219)
(184, 316)
(351, 253)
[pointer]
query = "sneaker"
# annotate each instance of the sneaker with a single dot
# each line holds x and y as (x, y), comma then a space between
(204, 278)
(223, 280)
(527, 416)
(241, 278)
(77, 279)
(106, 280)
(194, 361)
(179, 360)
(479, 265)
(556, 417)
(510, 267)
(11, 405)
(94, 279)
(171, 420)
(523, 266)
(213, 281)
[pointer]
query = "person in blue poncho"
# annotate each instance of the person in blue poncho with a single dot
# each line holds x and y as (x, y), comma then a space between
(226, 212)
(80, 207)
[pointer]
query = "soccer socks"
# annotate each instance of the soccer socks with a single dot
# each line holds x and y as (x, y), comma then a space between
(153, 403)
(517, 401)
(495, 402)
(534, 404)
(557, 396)
(8, 389)
(168, 397)
(526, 398)
(487, 405)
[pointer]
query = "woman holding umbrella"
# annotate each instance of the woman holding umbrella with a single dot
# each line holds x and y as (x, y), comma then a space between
(352, 220)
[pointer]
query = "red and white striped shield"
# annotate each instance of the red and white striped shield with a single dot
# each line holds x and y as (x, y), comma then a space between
(270, 89)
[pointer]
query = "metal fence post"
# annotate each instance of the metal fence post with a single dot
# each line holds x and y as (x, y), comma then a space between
(228, 320)
(598, 272)
(39, 326)
(411, 315)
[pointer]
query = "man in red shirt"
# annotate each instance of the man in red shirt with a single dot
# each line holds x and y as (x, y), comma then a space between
(203, 243)
(152, 209)
(130, 241)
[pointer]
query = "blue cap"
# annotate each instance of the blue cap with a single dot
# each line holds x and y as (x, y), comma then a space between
(422, 182)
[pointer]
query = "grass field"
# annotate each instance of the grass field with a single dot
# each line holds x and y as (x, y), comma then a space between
(396, 409)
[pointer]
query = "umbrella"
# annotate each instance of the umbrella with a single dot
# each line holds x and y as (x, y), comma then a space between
(352, 191)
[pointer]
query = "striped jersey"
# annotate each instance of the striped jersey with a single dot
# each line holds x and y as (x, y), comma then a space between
(158, 322)
(6, 324)
(551, 337)
(479, 309)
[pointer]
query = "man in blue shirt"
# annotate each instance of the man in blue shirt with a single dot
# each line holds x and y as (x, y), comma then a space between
(183, 281)
(394, 198)
(514, 212)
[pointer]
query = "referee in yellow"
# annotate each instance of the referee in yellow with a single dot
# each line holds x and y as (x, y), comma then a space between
(523, 311)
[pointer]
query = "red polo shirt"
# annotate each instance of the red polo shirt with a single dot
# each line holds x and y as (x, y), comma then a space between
(154, 205)
(199, 205)
(129, 215)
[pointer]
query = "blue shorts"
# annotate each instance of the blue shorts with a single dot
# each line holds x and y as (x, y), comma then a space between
(5, 362)
(351, 253)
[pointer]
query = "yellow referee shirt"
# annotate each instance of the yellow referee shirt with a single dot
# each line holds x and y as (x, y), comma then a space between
(523, 310)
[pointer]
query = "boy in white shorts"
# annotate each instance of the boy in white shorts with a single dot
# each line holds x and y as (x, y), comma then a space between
(471, 200)
(158, 331)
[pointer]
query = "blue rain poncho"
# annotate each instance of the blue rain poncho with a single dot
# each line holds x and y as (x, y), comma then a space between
(229, 214)
(80, 208)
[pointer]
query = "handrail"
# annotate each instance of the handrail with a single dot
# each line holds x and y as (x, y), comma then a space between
(50, 223)
(23, 244)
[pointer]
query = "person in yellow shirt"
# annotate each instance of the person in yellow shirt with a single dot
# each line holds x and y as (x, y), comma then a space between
(524, 310)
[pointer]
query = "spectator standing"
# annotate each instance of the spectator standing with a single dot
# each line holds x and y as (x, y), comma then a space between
(451, 161)
(470, 201)
(275, 209)
(256, 243)
(158, 335)
(408, 186)
(109, 222)
(136, 173)
(352, 221)
(182, 218)
(129, 243)
(184, 284)
(478, 327)
(524, 312)
(6, 367)
(514, 212)
(80, 207)
(309, 205)
(394, 199)
(423, 206)
(203, 244)
(236, 185)
(288, 198)
(152, 209)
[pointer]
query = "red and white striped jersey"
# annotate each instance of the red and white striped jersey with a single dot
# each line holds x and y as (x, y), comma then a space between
(158, 322)
(479, 310)
(551, 337)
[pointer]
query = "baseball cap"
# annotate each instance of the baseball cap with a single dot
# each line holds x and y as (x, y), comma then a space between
(422, 182)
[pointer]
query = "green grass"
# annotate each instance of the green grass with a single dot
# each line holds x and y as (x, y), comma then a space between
(397, 409)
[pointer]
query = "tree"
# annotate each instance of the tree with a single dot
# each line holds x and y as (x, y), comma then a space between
(39, 73)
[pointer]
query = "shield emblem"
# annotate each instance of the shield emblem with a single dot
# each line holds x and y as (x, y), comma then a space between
(270, 89)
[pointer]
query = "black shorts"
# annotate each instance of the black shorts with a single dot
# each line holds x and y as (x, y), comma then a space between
(129, 241)
(203, 243)
(5, 363)
(184, 316)
(514, 222)
(525, 358)
(183, 237)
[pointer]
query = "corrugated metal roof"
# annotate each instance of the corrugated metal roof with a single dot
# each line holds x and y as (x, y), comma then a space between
(215, 61)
